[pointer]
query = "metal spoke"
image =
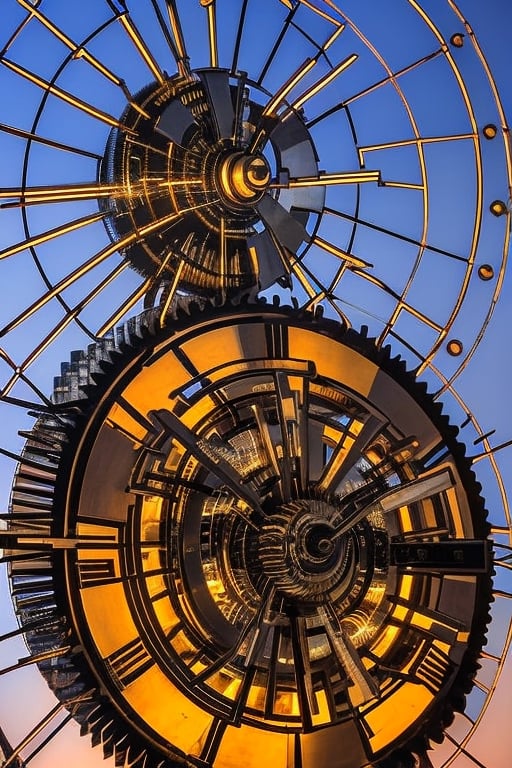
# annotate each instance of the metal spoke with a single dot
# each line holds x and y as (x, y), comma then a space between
(209, 6)
(80, 52)
(58, 194)
(397, 235)
(51, 234)
(325, 179)
(347, 655)
(349, 450)
(71, 316)
(390, 78)
(65, 96)
(141, 46)
(211, 457)
(324, 81)
(177, 32)
(90, 264)
(351, 260)
(31, 136)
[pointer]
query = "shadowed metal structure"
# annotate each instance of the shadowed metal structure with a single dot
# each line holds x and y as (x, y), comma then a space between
(237, 528)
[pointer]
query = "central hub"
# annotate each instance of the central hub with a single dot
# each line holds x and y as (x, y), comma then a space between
(299, 553)
(318, 541)
(242, 179)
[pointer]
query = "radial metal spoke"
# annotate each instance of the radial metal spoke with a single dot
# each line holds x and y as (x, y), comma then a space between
(313, 7)
(30, 136)
(79, 52)
(238, 39)
(71, 316)
(165, 31)
(323, 82)
(277, 44)
(211, 458)
(177, 32)
(302, 667)
(253, 625)
(270, 110)
(32, 734)
(223, 266)
(352, 261)
(325, 179)
(390, 78)
(90, 264)
(59, 194)
(294, 436)
(135, 296)
(141, 46)
(397, 235)
(65, 96)
(280, 95)
(348, 451)
(171, 292)
(348, 657)
(50, 234)
(209, 6)
(36, 659)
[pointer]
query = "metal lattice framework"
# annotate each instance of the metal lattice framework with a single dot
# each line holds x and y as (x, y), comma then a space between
(164, 154)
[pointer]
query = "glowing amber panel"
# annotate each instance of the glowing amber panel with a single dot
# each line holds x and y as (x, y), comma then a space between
(333, 360)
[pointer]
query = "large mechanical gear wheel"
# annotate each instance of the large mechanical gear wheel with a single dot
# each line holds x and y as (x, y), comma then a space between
(237, 529)
(266, 538)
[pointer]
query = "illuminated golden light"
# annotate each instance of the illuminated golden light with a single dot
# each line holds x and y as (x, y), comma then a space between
(64, 95)
(66, 194)
(212, 31)
(485, 272)
(223, 251)
(318, 11)
(93, 262)
(326, 179)
(498, 207)
(312, 292)
(324, 81)
(454, 347)
(140, 45)
(288, 86)
(334, 36)
(31, 242)
(167, 710)
(174, 20)
(352, 260)
(457, 40)
(360, 372)
(78, 51)
(489, 131)
(403, 185)
(171, 292)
